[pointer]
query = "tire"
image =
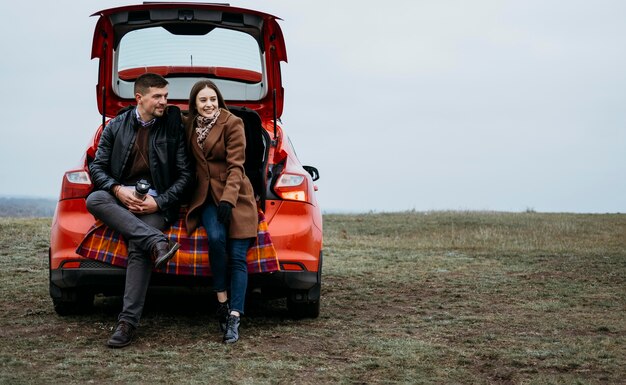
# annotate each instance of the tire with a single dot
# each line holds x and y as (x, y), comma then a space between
(299, 310)
(73, 302)
(306, 304)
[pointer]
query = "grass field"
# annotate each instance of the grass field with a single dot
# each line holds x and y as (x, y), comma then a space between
(407, 298)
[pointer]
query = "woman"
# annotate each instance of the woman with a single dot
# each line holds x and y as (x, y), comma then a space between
(223, 200)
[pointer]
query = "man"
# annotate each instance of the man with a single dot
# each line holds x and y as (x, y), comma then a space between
(144, 142)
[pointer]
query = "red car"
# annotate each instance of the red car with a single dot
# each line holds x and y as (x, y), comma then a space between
(241, 51)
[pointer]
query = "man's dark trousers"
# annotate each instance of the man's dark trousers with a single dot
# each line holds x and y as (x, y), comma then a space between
(141, 234)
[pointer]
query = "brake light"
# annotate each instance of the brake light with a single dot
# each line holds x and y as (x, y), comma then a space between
(76, 184)
(292, 187)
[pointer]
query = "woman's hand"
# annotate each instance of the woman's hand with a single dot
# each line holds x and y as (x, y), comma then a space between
(224, 212)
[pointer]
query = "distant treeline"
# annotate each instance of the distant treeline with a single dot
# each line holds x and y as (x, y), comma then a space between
(27, 207)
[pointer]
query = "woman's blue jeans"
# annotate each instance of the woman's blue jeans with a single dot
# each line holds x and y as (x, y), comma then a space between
(237, 270)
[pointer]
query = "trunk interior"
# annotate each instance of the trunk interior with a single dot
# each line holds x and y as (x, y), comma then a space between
(257, 149)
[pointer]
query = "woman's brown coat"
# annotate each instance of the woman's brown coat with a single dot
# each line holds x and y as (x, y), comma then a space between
(219, 170)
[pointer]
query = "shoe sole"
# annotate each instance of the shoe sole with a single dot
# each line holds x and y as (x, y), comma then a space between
(161, 261)
(117, 346)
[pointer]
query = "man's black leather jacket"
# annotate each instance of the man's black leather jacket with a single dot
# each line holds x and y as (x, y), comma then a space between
(167, 155)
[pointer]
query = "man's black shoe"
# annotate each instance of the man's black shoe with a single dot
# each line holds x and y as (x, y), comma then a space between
(123, 335)
(163, 252)
(232, 329)
(222, 312)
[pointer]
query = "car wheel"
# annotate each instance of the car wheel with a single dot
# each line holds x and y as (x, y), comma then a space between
(73, 303)
(300, 310)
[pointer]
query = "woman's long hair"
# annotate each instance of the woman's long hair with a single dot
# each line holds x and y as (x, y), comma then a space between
(199, 86)
(190, 119)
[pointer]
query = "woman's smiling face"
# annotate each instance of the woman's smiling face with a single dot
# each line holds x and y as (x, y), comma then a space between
(207, 103)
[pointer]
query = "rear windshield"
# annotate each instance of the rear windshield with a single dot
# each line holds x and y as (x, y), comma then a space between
(231, 58)
(158, 47)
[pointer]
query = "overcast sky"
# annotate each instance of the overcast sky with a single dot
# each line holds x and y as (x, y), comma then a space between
(425, 105)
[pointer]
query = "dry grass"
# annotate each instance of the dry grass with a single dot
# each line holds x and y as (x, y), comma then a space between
(441, 297)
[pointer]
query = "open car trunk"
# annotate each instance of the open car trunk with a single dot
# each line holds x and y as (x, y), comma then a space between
(240, 50)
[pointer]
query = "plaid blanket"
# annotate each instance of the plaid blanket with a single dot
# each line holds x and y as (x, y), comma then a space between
(106, 245)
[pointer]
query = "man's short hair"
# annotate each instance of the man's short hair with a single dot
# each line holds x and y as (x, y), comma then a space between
(147, 80)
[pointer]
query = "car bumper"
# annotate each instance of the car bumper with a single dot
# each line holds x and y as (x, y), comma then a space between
(98, 277)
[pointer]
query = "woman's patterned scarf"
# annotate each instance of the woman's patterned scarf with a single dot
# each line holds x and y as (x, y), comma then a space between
(204, 126)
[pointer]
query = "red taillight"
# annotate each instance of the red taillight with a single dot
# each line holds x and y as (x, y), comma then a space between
(76, 184)
(292, 187)
(71, 265)
(295, 266)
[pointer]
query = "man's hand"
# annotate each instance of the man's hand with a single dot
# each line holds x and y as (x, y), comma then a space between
(126, 196)
(146, 206)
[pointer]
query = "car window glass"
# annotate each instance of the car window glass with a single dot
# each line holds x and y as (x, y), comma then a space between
(232, 59)
(158, 47)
